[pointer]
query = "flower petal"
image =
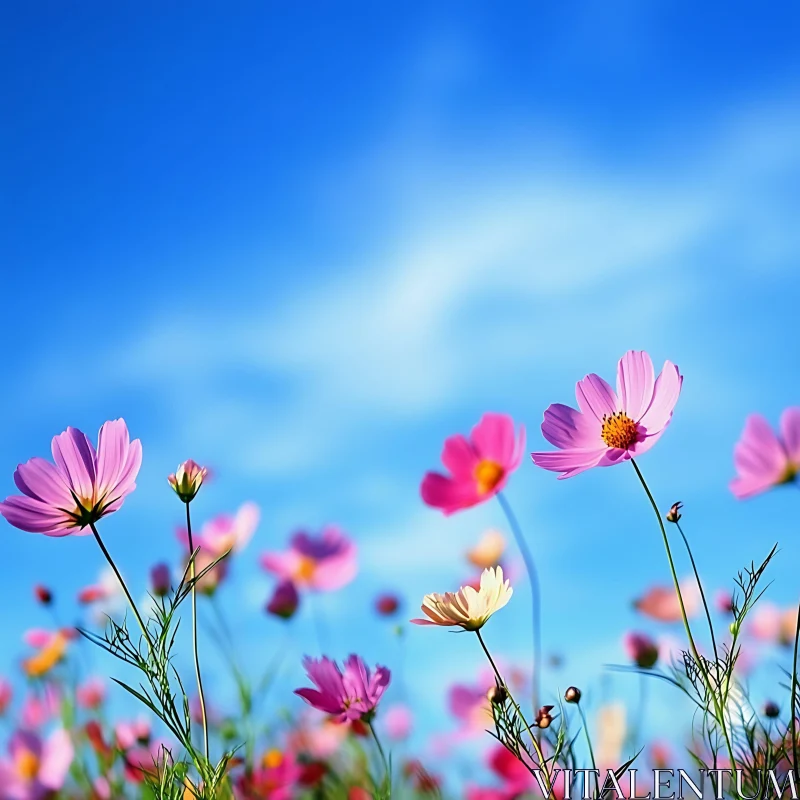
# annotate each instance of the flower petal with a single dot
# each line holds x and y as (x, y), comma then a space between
(569, 462)
(36, 517)
(448, 495)
(41, 480)
(493, 438)
(595, 397)
(666, 391)
(567, 428)
(458, 456)
(790, 433)
(635, 383)
(75, 457)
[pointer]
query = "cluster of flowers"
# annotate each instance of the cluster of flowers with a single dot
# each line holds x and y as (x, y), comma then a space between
(330, 755)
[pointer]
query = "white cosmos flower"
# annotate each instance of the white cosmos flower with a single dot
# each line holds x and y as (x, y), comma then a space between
(467, 608)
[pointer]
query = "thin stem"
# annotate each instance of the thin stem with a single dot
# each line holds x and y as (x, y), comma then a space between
(793, 709)
(702, 593)
(383, 755)
(533, 577)
(127, 593)
(534, 740)
(194, 635)
(700, 664)
(591, 750)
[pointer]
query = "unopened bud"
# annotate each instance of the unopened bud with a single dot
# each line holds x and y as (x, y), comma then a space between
(160, 579)
(674, 513)
(497, 695)
(573, 695)
(543, 717)
(43, 594)
(187, 480)
(771, 709)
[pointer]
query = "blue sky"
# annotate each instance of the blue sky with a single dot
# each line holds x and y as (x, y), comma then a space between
(304, 244)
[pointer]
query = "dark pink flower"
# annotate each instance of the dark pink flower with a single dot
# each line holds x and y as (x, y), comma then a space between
(611, 427)
(284, 600)
(764, 460)
(479, 466)
(91, 693)
(641, 649)
(321, 563)
(348, 695)
(160, 579)
(82, 486)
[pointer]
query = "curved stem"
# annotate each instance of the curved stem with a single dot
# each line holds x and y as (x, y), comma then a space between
(591, 750)
(125, 590)
(194, 635)
(383, 755)
(533, 577)
(712, 690)
(534, 740)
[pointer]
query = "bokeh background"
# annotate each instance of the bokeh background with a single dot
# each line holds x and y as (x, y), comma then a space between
(302, 243)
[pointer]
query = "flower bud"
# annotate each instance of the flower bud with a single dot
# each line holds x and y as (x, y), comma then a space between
(43, 594)
(284, 600)
(573, 695)
(543, 717)
(160, 579)
(771, 709)
(187, 480)
(674, 513)
(387, 604)
(497, 695)
(641, 649)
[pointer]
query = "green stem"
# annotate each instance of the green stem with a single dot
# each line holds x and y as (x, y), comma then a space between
(533, 578)
(591, 750)
(383, 756)
(793, 710)
(150, 646)
(534, 740)
(194, 635)
(712, 691)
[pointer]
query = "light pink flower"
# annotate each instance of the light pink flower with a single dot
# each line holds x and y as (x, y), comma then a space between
(35, 768)
(661, 602)
(226, 532)
(772, 624)
(319, 563)
(91, 694)
(187, 480)
(479, 466)
(348, 695)
(82, 486)
(398, 721)
(611, 427)
(130, 734)
(317, 738)
(764, 460)
(40, 708)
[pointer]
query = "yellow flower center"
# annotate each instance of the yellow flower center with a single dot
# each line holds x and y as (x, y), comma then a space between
(305, 569)
(27, 765)
(789, 474)
(619, 430)
(488, 474)
(41, 663)
(273, 759)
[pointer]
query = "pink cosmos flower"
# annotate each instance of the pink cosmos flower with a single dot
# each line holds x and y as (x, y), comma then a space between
(226, 532)
(160, 579)
(82, 486)
(772, 624)
(40, 708)
(611, 427)
(398, 721)
(315, 737)
(764, 460)
(479, 466)
(346, 696)
(130, 734)
(6, 695)
(319, 563)
(284, 600)
(661, 602)
(35, 768)
(91, 694)
(640, 649)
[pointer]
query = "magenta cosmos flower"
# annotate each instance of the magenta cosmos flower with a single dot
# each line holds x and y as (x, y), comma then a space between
(346, 696)
(764, 460)
(611, 427)
(320, 563)
(82, 486)
(479, 466)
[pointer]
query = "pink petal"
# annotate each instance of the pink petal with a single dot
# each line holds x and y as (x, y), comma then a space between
(36, 517)
(75, 457)
(595, 397)
(569, 462)
(447, 494)
(56, 759)
(635, 382)
(113, 443)
(750, 485)
(41, 480)
(566, 428)
(665, 395)
(790, 433)
(493, 438)
(758, 451)
(459, 457)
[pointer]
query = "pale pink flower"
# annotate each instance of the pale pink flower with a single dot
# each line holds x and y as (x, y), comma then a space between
(317, 738)
(479, 467)
(82, 486)
(39, 708)
(772, 624)
(319, 563)
(467, 608)
(91, 694)
(131, 733)
(398, 721)
(611, 427)
(226, 532)
(187, 480)
(661, 602)
(763, 459)
(35, 768)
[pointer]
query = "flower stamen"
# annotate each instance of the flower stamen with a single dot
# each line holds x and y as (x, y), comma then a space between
(488, 474)
(619, 430)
